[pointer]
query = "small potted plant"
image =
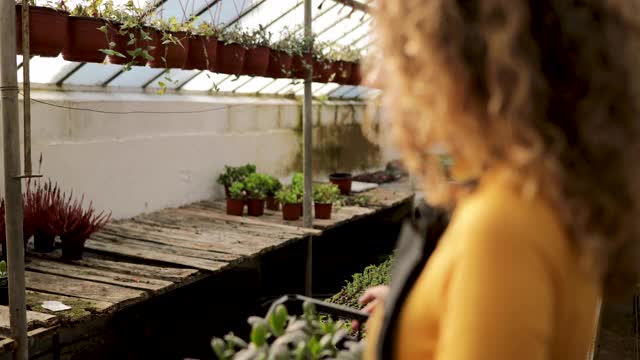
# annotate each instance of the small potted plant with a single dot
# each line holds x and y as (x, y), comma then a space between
(274, 187)
(323, 197)
(324, 68)
(85, 34)
(232, 49)
(233, 174)
(47, 29)
(77, 225)
(343, 180)
(173, 44)
(281, 57)
(297, 185)
(256, 60)
(302, 60)
(290, 201)
(4, 284)
(45, 201)
(130, 40)
(257, 186)
(203, 46)
(235, 200)
(344, 58)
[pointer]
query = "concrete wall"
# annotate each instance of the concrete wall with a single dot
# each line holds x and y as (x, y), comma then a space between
(169, 149)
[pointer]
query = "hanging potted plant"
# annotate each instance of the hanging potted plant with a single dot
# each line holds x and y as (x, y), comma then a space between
(324, 196)
(232, 50)
(47, 29)
(280, 57)
(256, 60)
(173, 44)
(4, 284)
(257, 185)
(77, 225)
(274, 187)
(344, 58)
(290, 201)
(86, 34)
(324, 68)
(343, 181)
(130, 41)
(235, 199)
(233, 174)
(302, 58)
(203, 45)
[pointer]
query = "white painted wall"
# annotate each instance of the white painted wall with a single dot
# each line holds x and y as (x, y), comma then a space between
(141, 162)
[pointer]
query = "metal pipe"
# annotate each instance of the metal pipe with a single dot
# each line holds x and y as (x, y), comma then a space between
(26, 87)
(308, 128)
(12, 183)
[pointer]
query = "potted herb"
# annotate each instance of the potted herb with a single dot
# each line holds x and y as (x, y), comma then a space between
(274, 187)
(47, 29)
(302, 60)
(4, 284)
(173, 44)
(130, 40)
(233, 174)
(85, 38)
(256, 60)
(281, 57)
(323, 197)
(77, 225)
(235, 200)
(257, 186)
(290, 201)
(232, 49)
(343, 180)
(203, 45)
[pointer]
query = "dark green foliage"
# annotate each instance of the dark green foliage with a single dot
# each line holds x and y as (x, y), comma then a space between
(373, 275)
(233, 174)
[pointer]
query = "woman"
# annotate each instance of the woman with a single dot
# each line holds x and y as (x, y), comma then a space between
(539, 97)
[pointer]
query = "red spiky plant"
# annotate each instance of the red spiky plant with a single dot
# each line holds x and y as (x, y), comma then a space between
(77, 224)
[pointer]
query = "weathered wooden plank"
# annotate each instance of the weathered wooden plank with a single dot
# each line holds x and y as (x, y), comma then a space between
(97, 275)
(81, 309)
(151, 253)
(82, 288)
(34, 320)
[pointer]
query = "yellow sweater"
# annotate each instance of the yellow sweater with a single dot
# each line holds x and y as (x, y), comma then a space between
(504, 283)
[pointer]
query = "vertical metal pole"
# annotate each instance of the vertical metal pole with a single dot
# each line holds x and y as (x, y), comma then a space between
(26, 86)
(12, 185)
(308, 169)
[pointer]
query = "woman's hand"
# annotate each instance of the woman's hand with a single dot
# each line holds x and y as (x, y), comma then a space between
(371, 298)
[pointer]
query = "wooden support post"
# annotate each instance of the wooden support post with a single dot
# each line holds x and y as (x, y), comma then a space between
(12, 182)
(26, 87)
(308, 168)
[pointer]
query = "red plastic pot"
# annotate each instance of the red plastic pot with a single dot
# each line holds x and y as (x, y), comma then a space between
(343, 72)
(356, 75)
(323, 211)
(343, 181)
(235, 207)
(47, 30)
(255, 207)
(272, 203)
(279, 65)
(256, 61)
(300, 66)
(121, 39)
(84, 41)
(230, 58)
(170, 55)
(324, 71)
(290, 212)
(202, 53)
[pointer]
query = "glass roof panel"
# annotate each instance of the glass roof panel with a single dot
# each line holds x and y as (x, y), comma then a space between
(93, 74)
(276, 86)
(254, 85)
(204, 81)
(45, 70)
(174, 78)
(138, 76)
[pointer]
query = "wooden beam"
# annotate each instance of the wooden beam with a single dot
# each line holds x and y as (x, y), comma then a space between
(355, 4)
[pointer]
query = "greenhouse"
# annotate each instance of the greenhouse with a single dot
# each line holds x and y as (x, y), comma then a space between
(173, 168)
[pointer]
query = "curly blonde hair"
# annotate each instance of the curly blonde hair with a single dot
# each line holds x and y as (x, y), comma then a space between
(545, 87)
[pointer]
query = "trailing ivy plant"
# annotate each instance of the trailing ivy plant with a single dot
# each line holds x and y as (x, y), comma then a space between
(281, 336)
(235, 35)
(259, 37)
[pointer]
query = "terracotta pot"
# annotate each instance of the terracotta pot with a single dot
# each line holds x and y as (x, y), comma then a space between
(290, 212)
(300, 208)
(272, 203)
(356, 75)
(343, 180)
(72, 250)
(84, 41)
(230, 58)
(43, 243)
(256, 61)
(279, 65)
(323, 211)
(121, 39)
(255, 207)
(343, 72)
(170, 55)
(300, 65)
(235, 207)
(47, 30)
(202, 53)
